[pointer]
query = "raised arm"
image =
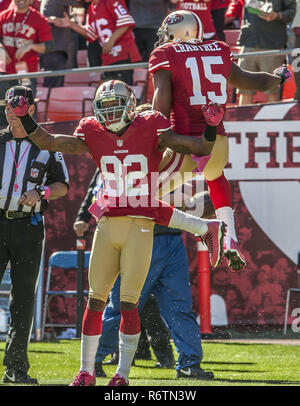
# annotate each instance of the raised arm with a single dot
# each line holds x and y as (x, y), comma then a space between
(261, 81)
(57, 142)
(17, 110)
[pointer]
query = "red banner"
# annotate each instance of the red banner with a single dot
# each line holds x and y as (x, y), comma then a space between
(263, 170)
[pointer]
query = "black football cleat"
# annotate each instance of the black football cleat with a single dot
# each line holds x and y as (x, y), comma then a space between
(194, 372)
(99, 370)
(12, 376)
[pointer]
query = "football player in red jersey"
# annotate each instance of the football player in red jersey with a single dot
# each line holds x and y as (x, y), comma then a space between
(127, 147)
(189, 73)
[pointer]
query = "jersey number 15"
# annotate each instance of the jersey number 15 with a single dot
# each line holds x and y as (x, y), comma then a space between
(198, 97)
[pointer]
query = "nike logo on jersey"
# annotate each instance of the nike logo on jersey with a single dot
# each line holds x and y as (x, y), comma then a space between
(143, 230)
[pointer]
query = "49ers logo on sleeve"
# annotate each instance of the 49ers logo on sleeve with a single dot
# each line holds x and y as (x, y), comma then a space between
(174, 19)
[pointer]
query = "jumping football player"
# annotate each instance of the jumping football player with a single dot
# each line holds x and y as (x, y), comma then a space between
(189, 73)
(127, 148)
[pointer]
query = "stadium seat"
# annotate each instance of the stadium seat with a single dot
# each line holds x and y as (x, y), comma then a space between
(259, 97)
(231, 36)
(70, 103)
(140, 76)
(60, 260)
(42, 94)
(82, 58)
(82, 79)
(138, 92)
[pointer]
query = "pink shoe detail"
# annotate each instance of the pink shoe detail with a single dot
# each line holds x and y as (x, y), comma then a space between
(213, 113)
(236, 260)
(213, 238)
(83, 378)
(118, 380)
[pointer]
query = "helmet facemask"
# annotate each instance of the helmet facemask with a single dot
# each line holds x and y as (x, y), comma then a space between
(162, 34)
(119, 113)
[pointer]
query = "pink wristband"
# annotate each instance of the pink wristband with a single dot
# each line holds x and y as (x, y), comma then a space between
(47, 192)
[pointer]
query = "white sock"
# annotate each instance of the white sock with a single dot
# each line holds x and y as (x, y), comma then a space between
(127, 347)
(187, 222)
(226, 214)
(89, 345)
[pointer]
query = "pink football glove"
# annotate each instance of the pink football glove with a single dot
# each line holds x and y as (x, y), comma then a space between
(283, 73)
(19, 105)
(213, 113)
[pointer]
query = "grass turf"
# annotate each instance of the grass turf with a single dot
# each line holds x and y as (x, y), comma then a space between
(234, 364)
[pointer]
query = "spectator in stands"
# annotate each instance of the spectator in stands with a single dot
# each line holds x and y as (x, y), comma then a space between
(57, 58)
(24, 34)
(25, 191)
(115, 36)
(203, 11)
(296, 62)
(264, 28)
(147, 15)
(218, 10)
(234, 304)
(234, 14)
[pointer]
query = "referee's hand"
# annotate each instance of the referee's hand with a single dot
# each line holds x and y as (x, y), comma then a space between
(29, 198)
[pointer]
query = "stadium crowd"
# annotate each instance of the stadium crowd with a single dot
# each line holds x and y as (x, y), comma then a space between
(50, 35)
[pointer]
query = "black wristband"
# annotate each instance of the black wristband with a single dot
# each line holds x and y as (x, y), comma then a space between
(210, 133)
(29, 124)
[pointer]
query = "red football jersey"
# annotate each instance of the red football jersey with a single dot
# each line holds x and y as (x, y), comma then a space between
(103, 19)
(128, 163)
(202, 9)
(17, 29)
(199, 76)
(4, 4)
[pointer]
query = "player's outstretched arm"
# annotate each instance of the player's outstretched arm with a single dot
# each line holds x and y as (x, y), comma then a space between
(187, 144)
(260, 81)
(58, 142)
(18, 110)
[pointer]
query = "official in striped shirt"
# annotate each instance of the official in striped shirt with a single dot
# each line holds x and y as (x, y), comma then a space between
(29, 178)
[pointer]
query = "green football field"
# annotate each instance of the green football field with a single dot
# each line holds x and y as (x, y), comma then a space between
(234, 363)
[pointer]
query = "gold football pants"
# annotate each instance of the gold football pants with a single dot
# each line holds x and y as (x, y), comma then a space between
(175, 169)
(121, 245)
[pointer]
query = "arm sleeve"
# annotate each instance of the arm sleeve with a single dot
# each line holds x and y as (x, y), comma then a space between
(158, 60)
(57, 170)
(83, 213)
(79, 130)
(121, 14)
